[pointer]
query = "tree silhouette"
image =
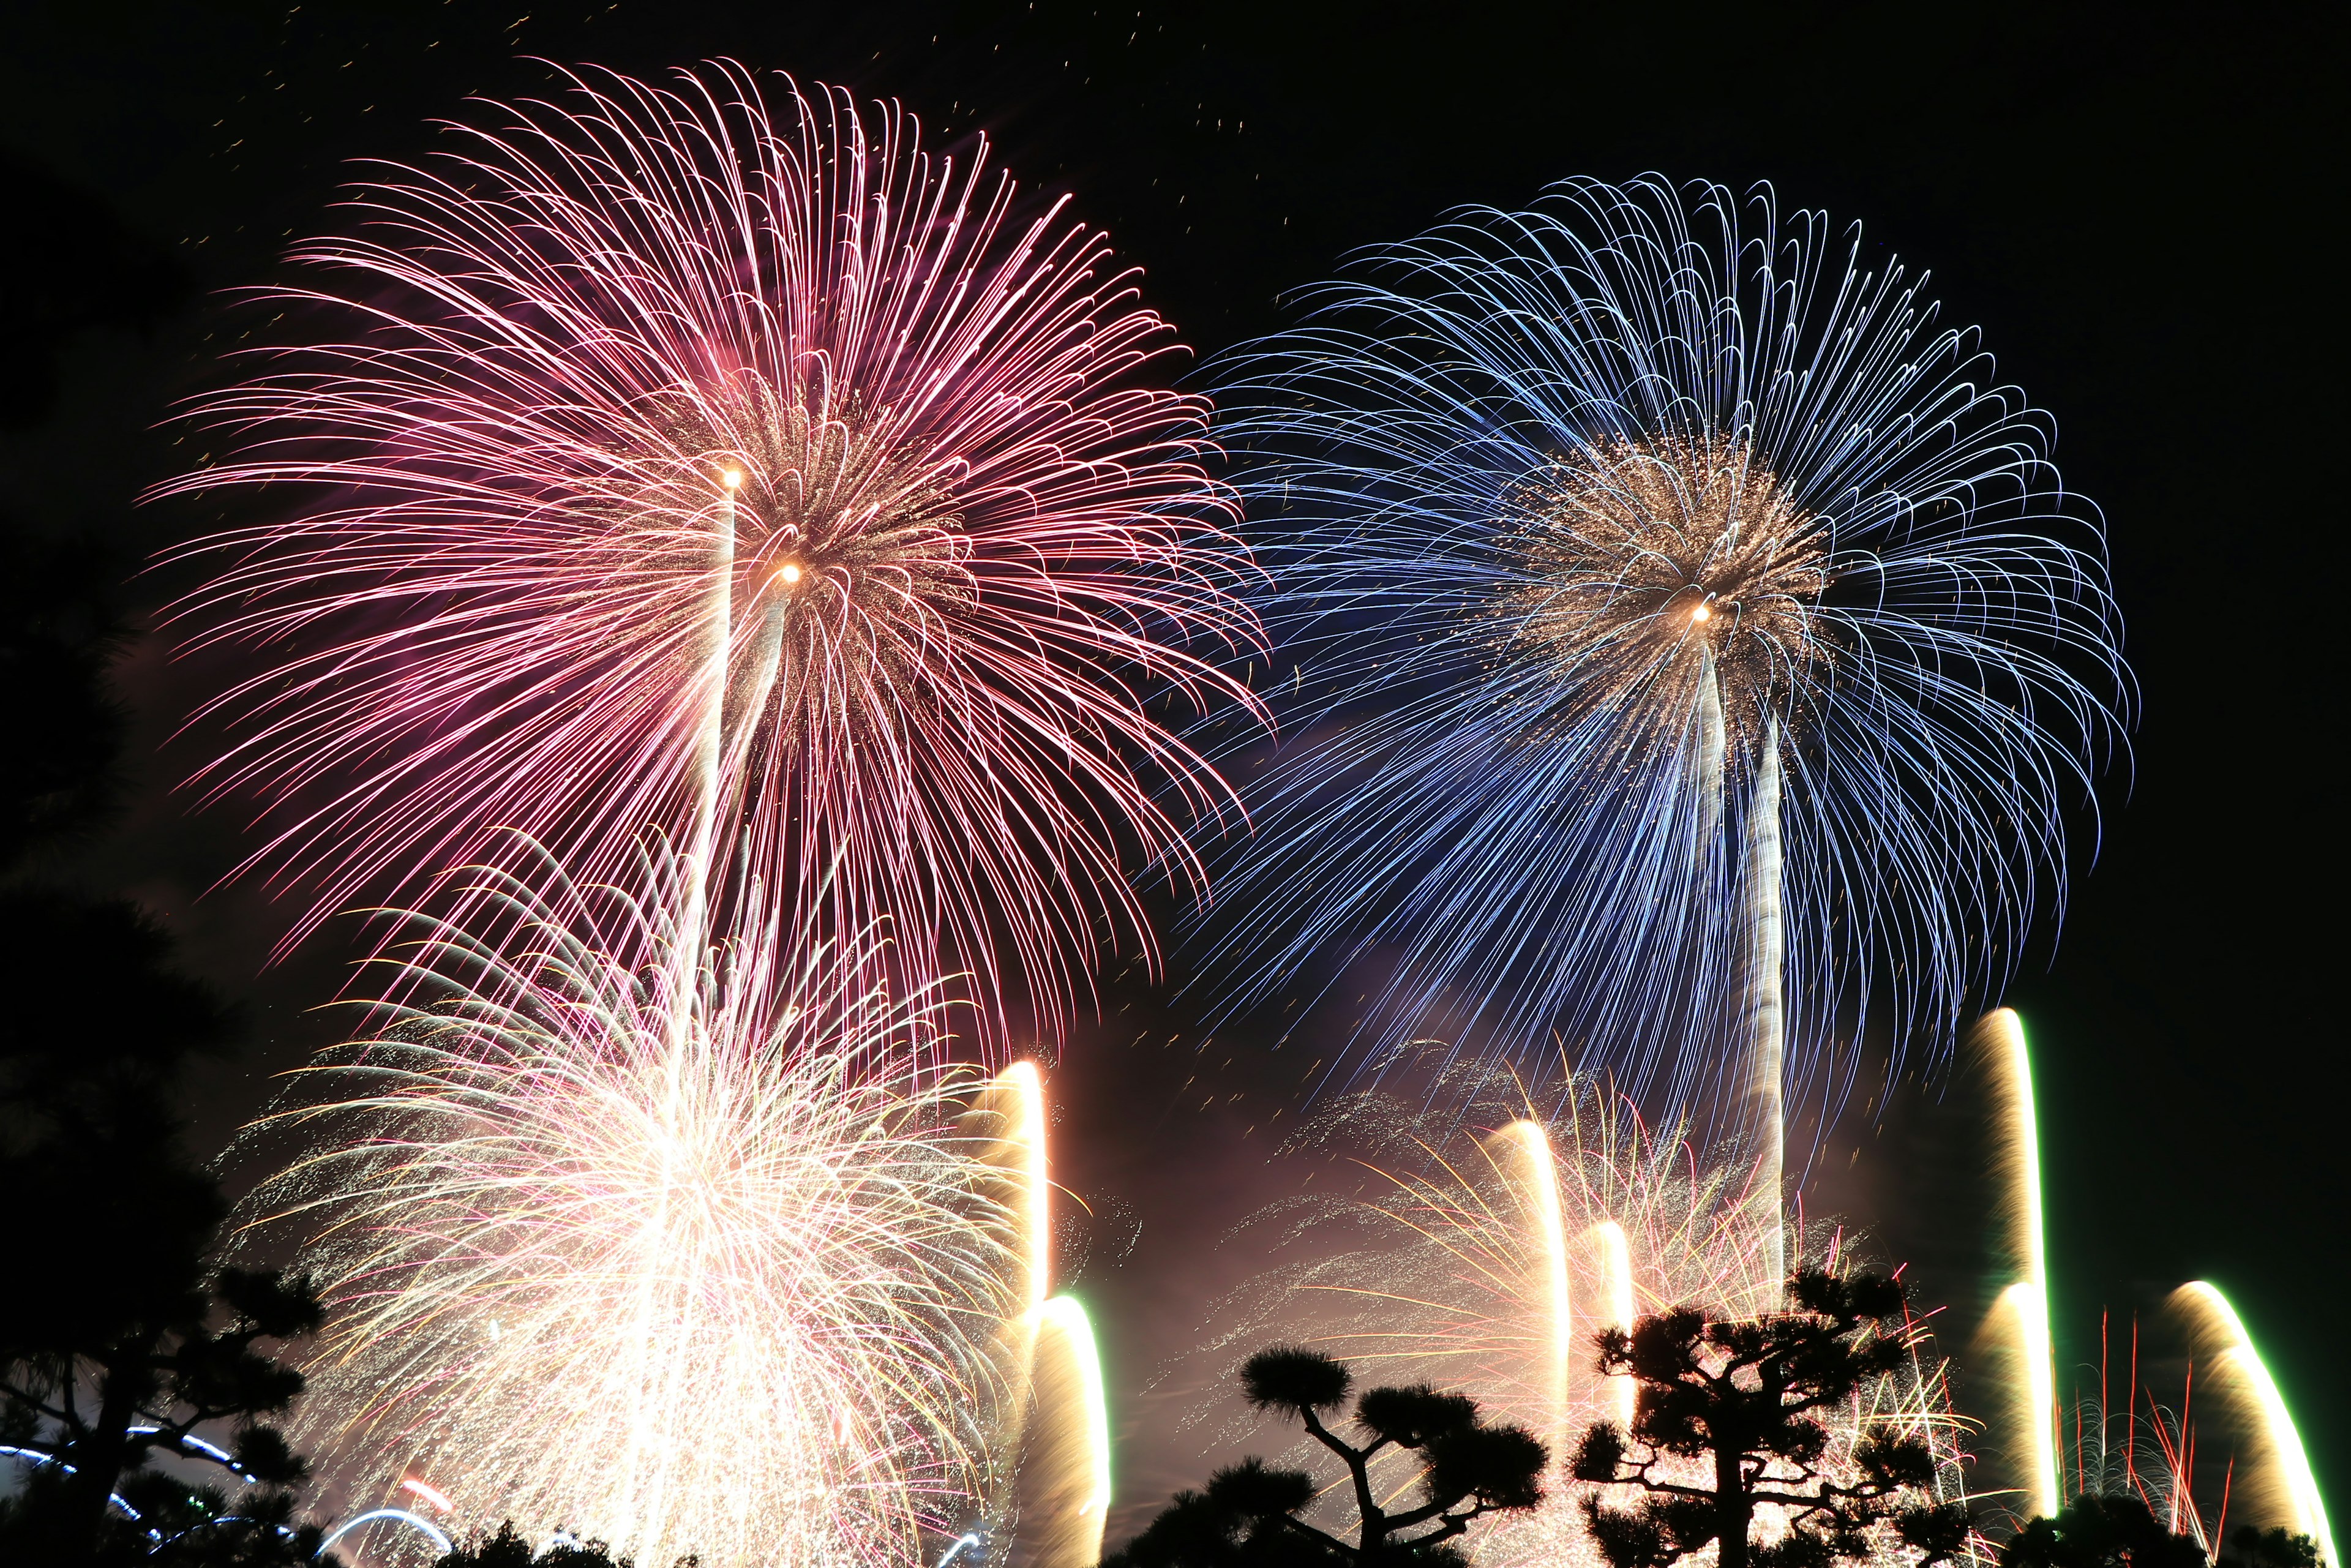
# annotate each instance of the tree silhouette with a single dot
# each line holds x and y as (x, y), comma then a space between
(116, 1343)
(2098, 1531)
(2278, 1548)
(1249, 1514)
(102, 1404)
(2118, 1530)
(509, 1549)
(1747, 1399)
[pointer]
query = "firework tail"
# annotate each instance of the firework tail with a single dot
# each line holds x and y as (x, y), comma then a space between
(1066, 1478)
(1054, 1429)
(1765, 1034)
(1611, 1261)
(2021, 1317)
(1534, 1176)
(1009, 1123)
(2284, 1488)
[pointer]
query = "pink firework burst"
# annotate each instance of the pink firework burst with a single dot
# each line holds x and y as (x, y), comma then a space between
(711, 455)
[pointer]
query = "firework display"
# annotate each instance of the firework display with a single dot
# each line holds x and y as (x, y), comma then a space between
(2211, 1456)
(2280, 1493)
(582, 1235)
(1659, 577)
(658, 369)
(2019, 1318)
(1488, 1262)
(735, 579)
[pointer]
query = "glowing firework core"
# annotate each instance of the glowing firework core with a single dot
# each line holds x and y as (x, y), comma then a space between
(581, 1237)
(847, 564)
(1639, 554)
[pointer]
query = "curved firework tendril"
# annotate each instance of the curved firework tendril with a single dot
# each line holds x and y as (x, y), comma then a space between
(698, 1274)
(1664, 586)
(662, 371)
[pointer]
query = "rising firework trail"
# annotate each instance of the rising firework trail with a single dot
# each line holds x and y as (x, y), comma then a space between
(1065, 1480)
(2020, 1321)
(721, 396)
(1052, 1427)
(1693, 644)
(709, 1274)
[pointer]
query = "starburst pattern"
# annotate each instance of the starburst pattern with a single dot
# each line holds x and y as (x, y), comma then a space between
(650, 372)
(1661, 578)
(656, 1244)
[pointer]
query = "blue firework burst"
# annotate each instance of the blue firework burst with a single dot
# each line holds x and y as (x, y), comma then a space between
(1678, 618)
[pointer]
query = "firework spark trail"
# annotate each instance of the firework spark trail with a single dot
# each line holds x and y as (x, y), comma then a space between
(2284, 1491)
(1763, 1023)
(1572, 513)
(1437, 1270)
(1534, 1177)
(970, 545)
(2022, 1313)
(1008, 1126)
(731, 1290)
(1065, 1482)
(1052, 1429)
(2154, 1458)
(2142, 1447)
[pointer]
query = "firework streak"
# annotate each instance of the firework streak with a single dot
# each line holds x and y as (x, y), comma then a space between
(1686, 627)
(658, 372)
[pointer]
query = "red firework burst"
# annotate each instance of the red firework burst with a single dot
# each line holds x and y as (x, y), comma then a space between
(661, 373)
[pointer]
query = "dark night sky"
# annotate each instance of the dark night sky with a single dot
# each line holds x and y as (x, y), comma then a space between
(2131, 202)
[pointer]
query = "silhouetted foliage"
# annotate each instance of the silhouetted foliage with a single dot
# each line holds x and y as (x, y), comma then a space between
(507, 1548)
(2101, 1532)
(104, 1402)
(1249, 1514)
(1748, 1398)
(2279, 1548)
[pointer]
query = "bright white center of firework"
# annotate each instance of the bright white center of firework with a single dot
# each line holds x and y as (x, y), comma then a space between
(734, 479)
(1702, 614)
(791, 574)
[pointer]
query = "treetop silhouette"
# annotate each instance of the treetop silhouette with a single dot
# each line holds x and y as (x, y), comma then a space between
(1250, 1513)
(1748, 1399)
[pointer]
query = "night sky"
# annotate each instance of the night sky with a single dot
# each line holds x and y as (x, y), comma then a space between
(2133, 204)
